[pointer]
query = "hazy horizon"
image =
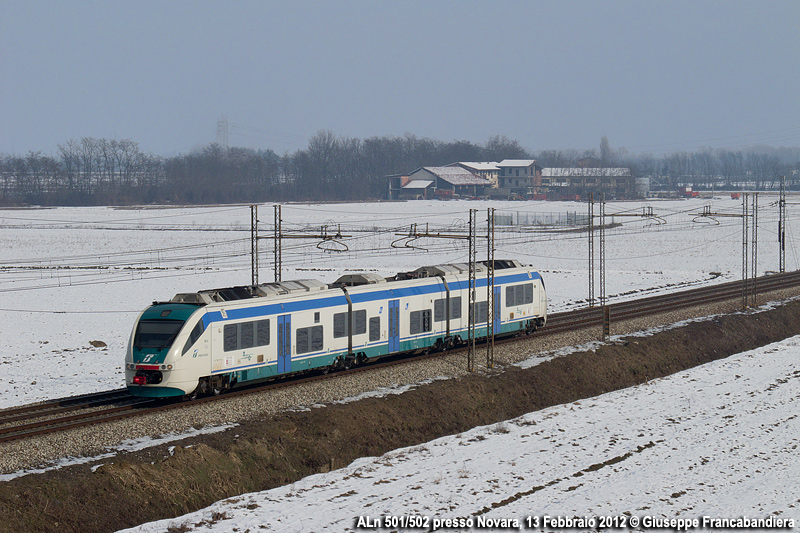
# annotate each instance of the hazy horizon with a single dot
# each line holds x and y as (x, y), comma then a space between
(654, 77)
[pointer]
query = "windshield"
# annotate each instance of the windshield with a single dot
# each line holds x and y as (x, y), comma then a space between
(156, 333)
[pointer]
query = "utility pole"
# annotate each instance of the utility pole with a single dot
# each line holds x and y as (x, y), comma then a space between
(490, 308)
(277, 242)
(754, 251)
(603, 250)
(472, 310)
(254, 245)
(745, 251)
(591, 249)
(782, 227)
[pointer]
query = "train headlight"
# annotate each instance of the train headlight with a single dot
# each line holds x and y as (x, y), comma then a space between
(131, 366)
(166, 367)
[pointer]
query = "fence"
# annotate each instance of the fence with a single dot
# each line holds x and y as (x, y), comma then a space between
(570, 218)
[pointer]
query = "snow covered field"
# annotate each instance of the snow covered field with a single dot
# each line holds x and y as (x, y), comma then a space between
(717, 441)
(69, 276)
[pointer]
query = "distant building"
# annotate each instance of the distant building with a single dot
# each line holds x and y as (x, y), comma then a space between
(395, 185)
(615, 182)
(487, 169)
(418, 189)
(519, 178)
(446, 182)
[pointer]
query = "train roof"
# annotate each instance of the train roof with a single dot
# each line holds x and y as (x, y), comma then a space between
(267, 290)
(245, 292)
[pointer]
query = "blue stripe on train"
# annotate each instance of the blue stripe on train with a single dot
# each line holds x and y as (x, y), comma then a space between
(307, 304)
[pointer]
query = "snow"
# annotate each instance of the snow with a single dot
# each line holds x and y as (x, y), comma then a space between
(722, 435)
(69, 276)
(719, 440)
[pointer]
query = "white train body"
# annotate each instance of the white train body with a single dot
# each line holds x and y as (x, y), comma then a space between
(212, 340)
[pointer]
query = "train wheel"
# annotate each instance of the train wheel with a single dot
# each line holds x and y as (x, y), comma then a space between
(218, 386)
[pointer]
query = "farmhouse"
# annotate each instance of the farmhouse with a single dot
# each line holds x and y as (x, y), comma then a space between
(425, 182)
(486, 169)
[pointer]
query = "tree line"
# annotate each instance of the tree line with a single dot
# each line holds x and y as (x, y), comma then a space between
(93, 171)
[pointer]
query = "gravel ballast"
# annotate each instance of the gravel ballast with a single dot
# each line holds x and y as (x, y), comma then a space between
(100, 439)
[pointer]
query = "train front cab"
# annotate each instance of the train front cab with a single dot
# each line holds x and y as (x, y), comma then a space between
(156, 362)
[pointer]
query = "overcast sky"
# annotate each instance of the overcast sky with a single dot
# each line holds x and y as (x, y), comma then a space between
(653, 76)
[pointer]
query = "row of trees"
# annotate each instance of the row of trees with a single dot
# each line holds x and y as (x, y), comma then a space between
(102, 172)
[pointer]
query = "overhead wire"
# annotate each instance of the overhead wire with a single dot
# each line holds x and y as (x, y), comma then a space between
(230, 255)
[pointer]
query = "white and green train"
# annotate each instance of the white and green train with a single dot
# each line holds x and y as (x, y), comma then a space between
(212, 340)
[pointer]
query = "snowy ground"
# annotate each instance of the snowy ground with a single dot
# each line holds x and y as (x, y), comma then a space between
(718, 441)
(69, 276)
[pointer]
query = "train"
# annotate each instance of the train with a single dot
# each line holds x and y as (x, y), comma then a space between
(210, 341)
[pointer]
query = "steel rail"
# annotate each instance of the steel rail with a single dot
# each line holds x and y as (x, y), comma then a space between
(557, 323)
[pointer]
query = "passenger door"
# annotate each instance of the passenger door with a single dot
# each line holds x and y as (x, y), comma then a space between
(394, 325)
(496, 317)
(284, 343)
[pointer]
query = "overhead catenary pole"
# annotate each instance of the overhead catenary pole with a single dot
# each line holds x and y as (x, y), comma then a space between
(471, 236)
(603, 250)
(490, 308)
(782, 227)
(745, 238)
(749, 243)
(591, 249)
(472, 310)
(254, 245)
(754, 244)
(277, 242)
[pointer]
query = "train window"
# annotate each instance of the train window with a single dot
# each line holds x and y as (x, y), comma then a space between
(316, 317)
(414, 322)
(455, 307)
(419, 321)
(438, 309)
(519, 295)
(309, 339)
(193, 336)
(301, 340)
(156, 333)
(262, 333)
(426, 320)
(316, 338)
(230, 337)
(374, 329)
(245, 335)
(339, 325)
(246, 339)
(359, 322)
(480, 310)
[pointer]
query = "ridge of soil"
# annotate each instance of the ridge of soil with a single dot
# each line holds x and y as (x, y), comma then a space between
(261, 454)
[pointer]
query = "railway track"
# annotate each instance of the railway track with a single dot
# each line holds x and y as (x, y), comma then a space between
(80, 411)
